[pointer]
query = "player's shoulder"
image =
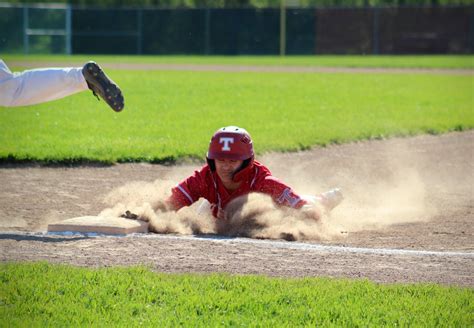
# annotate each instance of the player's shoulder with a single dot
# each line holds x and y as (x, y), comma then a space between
(261, 170)
(261, 167)
(204, 172)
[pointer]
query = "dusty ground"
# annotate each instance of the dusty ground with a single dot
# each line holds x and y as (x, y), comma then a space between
(411, 194)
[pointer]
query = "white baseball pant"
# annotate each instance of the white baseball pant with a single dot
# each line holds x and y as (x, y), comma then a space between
(38, 85)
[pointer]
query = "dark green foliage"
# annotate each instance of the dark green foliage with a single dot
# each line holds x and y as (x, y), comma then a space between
(252, 3)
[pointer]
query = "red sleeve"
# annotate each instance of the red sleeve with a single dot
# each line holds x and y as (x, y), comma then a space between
(281, 193)
(189, 190)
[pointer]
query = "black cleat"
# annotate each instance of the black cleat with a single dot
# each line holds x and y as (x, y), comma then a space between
(102, 86)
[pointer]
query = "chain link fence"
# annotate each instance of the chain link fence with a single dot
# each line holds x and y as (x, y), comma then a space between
(247, 31)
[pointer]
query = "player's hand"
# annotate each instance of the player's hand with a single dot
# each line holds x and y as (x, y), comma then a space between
(129, 215)
(313, 213)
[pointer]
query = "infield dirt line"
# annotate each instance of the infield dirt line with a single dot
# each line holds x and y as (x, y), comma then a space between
(252, 68)
(268, 243)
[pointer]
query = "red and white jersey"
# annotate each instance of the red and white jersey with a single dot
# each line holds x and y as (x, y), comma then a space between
(207, 184)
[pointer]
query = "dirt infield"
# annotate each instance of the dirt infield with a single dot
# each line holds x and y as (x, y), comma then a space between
(410, 194)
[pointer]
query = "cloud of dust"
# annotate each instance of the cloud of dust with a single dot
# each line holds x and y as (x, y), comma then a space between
(253, 216)
(256, 216)
(380, 190)
(382, 187)
(396, 199)
(143, 199)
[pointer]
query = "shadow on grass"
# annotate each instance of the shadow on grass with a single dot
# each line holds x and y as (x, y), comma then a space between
(11, 161)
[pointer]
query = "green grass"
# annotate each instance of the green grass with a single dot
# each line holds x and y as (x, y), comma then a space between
(41, 294)
(406, 61)
(171, 115)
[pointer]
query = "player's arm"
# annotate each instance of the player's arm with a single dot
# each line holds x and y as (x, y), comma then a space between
(184, 194)
(284, 196)
(281, 193)
(187, 192)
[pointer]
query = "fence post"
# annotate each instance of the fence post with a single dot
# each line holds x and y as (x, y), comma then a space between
(316, 31)
(26, 46)
(282, 27)
(207, 31)
(375, 31)
(139, 31)
(68, 29)
(470, 41)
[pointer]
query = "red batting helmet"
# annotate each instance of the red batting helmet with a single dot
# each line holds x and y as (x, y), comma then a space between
(230, 142)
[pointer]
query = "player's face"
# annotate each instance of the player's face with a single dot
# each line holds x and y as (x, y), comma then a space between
(226, 168)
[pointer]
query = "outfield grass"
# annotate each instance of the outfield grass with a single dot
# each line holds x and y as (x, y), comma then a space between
(41, 294)
(406, 61)
(171, 115)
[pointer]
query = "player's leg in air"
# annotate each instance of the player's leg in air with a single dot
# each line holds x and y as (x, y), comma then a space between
(42, 85)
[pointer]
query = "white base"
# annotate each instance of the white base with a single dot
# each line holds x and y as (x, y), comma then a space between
(99, 224)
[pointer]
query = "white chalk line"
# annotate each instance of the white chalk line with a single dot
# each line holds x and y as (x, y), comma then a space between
(314, 247)
(269, 243)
